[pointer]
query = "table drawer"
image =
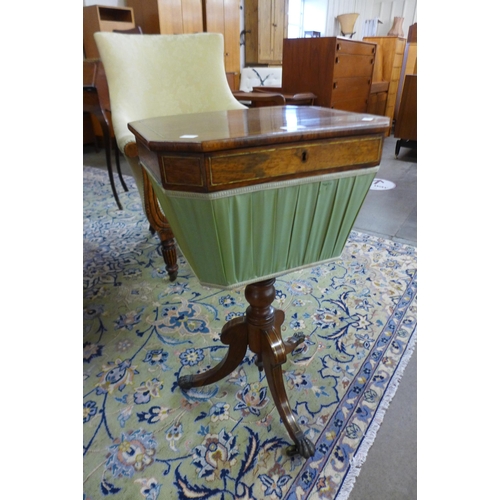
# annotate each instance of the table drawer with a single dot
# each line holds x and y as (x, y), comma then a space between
(258, 165)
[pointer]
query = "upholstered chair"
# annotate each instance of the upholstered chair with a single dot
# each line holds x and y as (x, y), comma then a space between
(159, 75)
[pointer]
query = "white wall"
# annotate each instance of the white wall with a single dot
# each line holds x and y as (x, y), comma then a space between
(315, 15)
(384, 10)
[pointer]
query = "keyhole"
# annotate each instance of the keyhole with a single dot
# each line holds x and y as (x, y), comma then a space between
(305, 155)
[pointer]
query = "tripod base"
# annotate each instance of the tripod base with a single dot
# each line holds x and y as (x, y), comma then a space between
(260, 330)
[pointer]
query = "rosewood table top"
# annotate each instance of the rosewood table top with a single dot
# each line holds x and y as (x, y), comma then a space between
(216, 130)
(214, 151)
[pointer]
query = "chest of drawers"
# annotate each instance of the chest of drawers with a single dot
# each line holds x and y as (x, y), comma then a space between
(338, 71)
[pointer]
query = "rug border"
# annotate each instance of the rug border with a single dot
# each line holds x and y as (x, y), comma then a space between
(361, 454)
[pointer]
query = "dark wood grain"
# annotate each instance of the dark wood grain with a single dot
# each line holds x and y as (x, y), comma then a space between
(223, 130)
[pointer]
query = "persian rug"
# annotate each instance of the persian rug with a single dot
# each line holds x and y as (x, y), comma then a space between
(144, 438)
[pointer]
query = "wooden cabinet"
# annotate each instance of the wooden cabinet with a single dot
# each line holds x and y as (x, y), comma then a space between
(409, 62)
(273, 28)
(101, 18)
(337, 70)
(223, 16)
(388, 64)
(266, 25)
(193, 16)
(406, 122)
(168, 17)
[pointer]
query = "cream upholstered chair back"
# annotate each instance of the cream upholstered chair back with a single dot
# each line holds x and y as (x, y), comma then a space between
(160, 75)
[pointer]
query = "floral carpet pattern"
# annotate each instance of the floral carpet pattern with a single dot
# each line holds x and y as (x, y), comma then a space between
(144, 438)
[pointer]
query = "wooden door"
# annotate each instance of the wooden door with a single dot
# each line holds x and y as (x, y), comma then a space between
(273, 27)
(223, 16)
(280, 26)
(180, 16)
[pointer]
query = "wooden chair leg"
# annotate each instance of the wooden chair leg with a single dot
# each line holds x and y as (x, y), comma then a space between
(107, 141)
(169, 252)
(107, 148)
(118, 166)
(159, 223)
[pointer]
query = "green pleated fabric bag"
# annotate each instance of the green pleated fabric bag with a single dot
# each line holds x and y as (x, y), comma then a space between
(236, 237)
